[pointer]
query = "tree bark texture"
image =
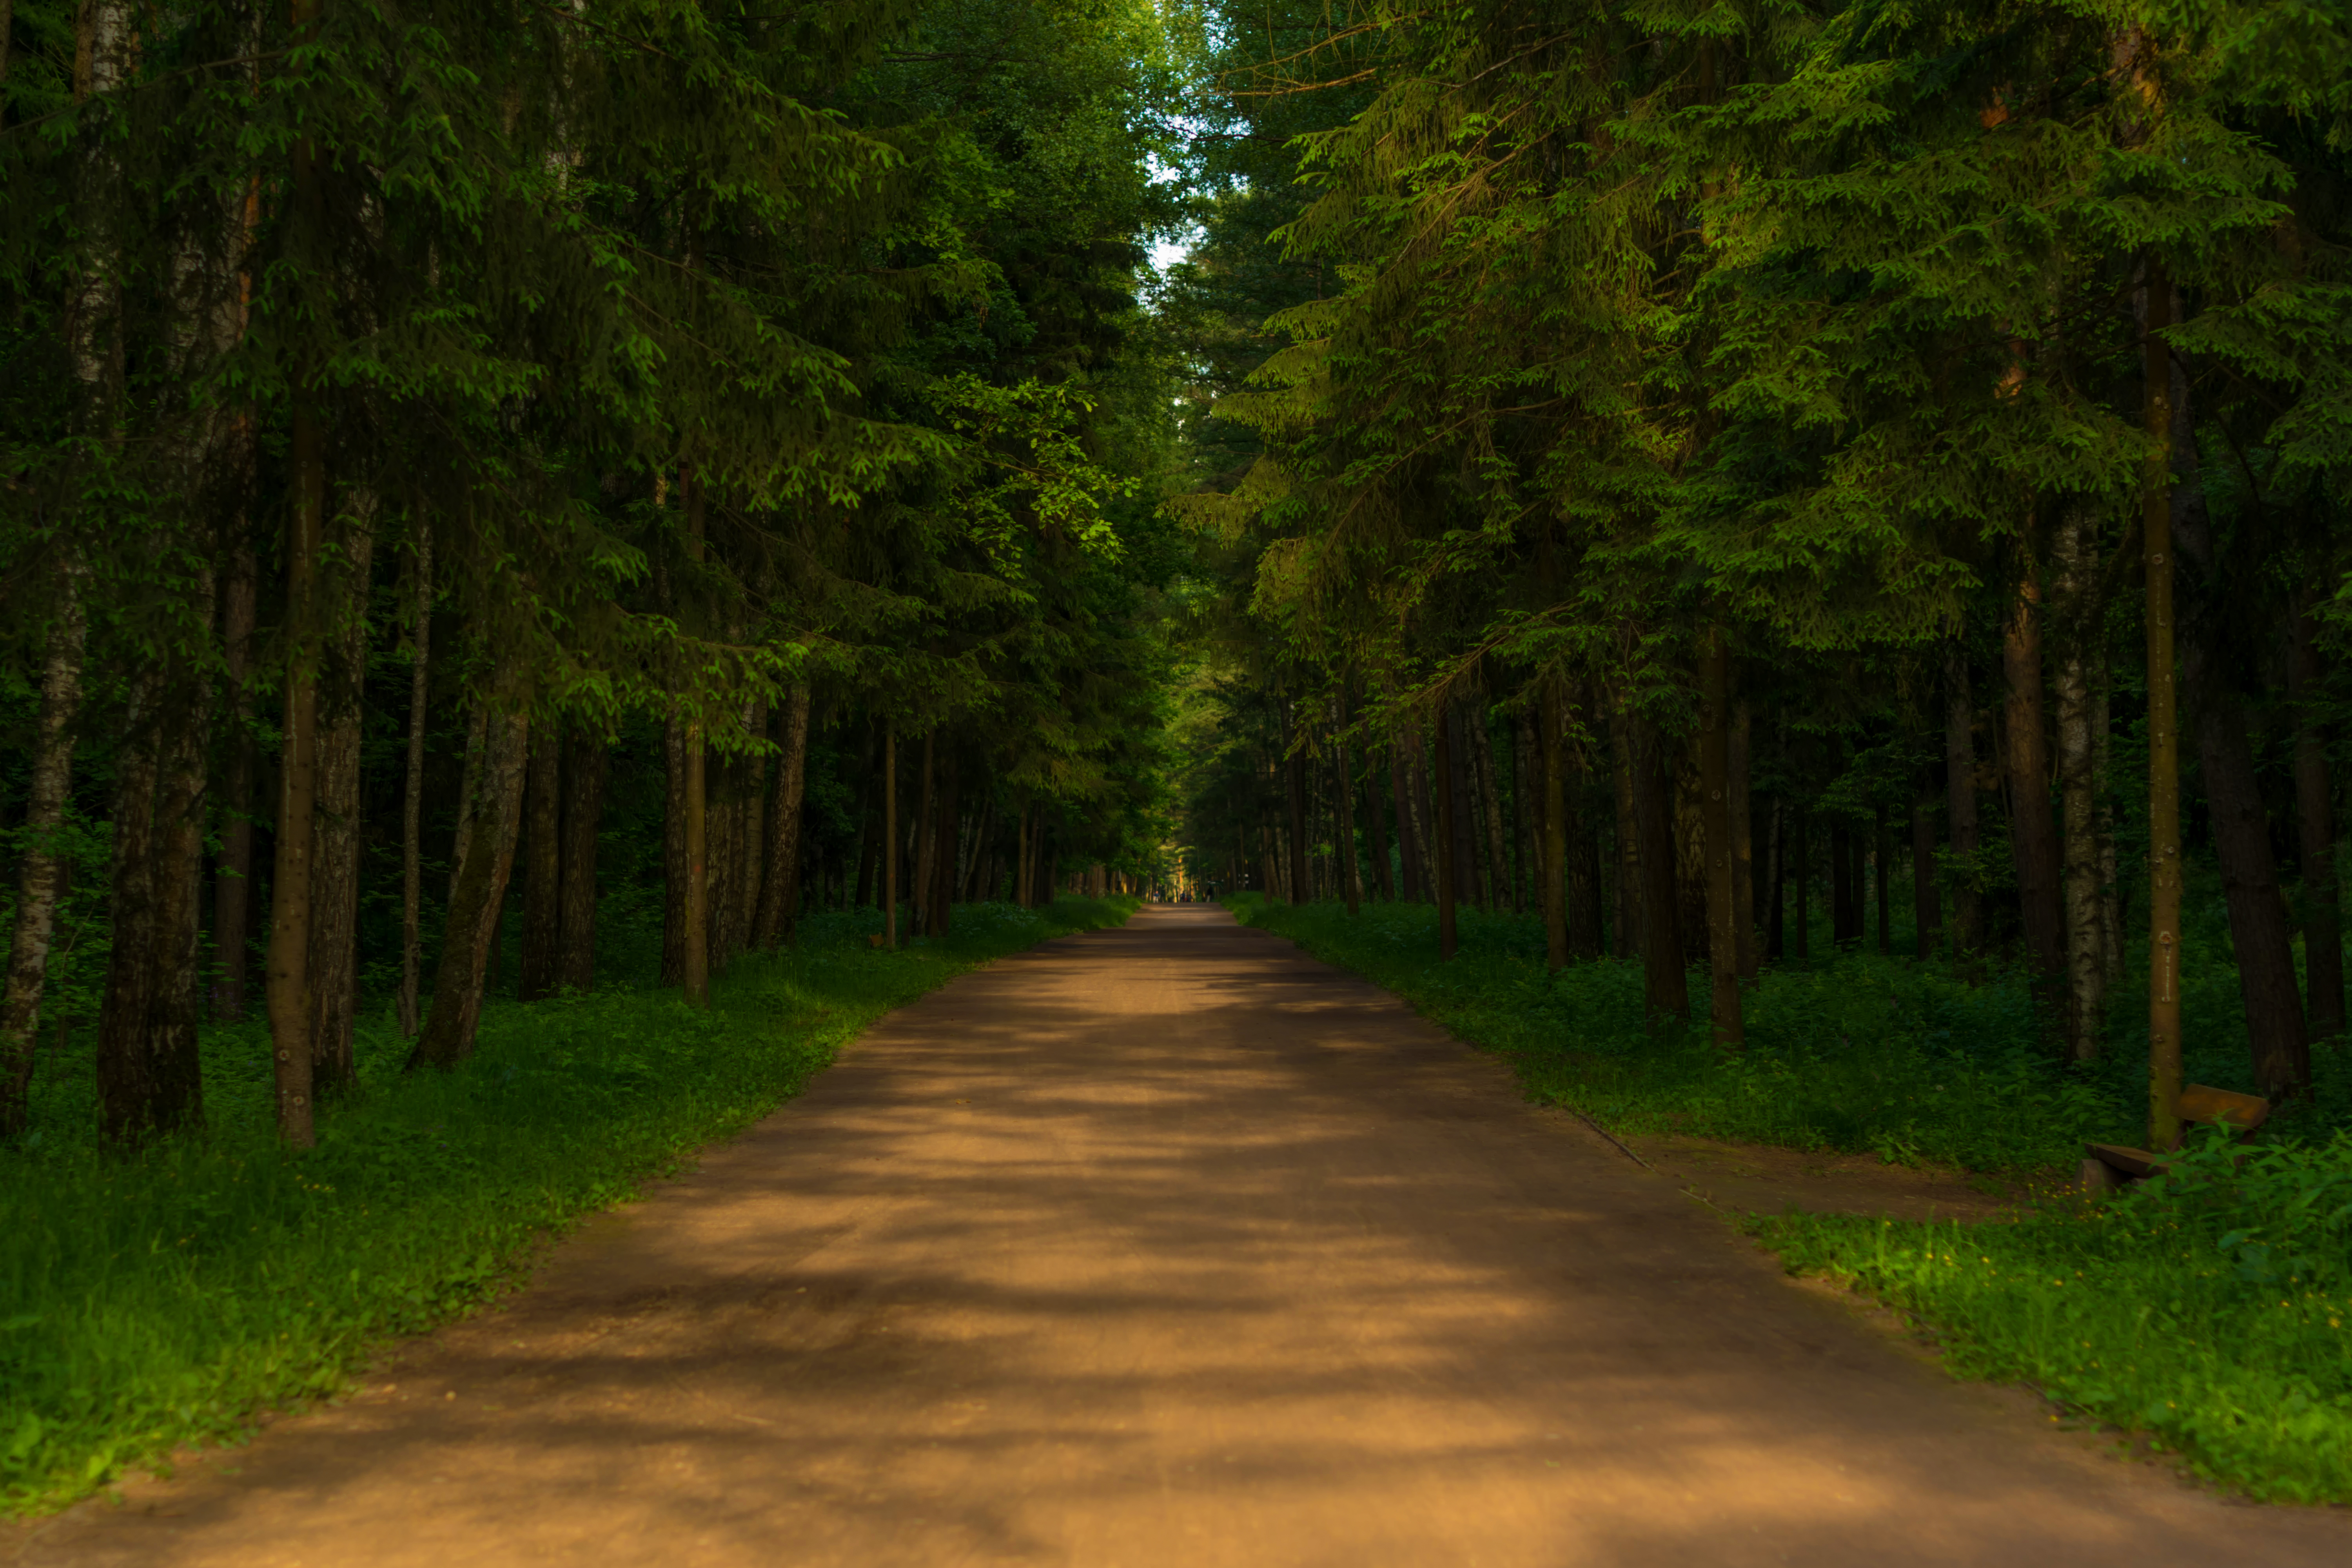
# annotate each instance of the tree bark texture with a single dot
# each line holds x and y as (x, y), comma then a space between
(150, 1076)
(1666, 989)
(1343, 793)
(780, 890)
(233, 869)
(335, 863)
(1448, 806)
(1882, 857)
(291, 1009)
(889, 835)
(586, 761)
(1480, 748)
(1295, 781)
(1801, 929)
(1960, 803)
(676, 870)
(1629, 836)
(939, 895)
(694, 956)
(2259, 931)
(40, 871)
(2323, 930)
(2164, 870)
(1376, 835)
(1552, 862)
(542, 878)
(2033, 833)
(477, 897)
(1926, 903)
(412, 800)
(1715, 784)
(2082, 907)
(1743, 842)
(919, 892)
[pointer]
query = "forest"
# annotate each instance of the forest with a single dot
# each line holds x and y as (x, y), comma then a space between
(1781, 565)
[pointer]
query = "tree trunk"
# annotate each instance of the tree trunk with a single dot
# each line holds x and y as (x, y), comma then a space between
(1927, 907)
(2164, 874)
(1960, 804)
(543, 882)
(150, 1076)
(41, 865)
(1846, 920)
(1715, 783)
(1743, 843)
(291, 1009)
(1552, 863)
(411, 804)
(1526, 840)
(1343, 802)
(335, 864)
(1376, 836)
(232, 875)
(2078, 784)
(780, 890)
(2259, 928)
(478, 896)
(1465, 846)
(2033, 835)
(1776, 877)
(919, 892)
(1666, 991)
(1881, 857)
(694, 957)
(2323, 931)
(1584, 881)
(1802, 874)
(1295, 780)
(676, 871)
(939, 895)
(1490, 800)
(889, 834)
(1412, 841)
(1629, 837)
(1448, 806)
(585, 762)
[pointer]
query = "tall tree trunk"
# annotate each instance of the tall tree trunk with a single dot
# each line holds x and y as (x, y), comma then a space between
(2111, 913)
(2259, 931)
(1715, 782)
(585, 762)
(1490, 799)
(751, 882)
(41, 868)
(542, 878)
(1743, 842)
(2323, 931)
(1376, 836)
(1343, 802)
(1846, 920)
(2078, 783)
(2164, 873)
(1448, 804)
(150, 1076)
(1666, 989)
(1960, 804)
(2033, 835)
(478, 896)
(233, 873)
(1412, 841)
(1584, 880)
(919, 892)
(1526, 831)
(412, 800)
(694, 957)
(1802, 827)
(889, 834)
(1629, 836)
(1926, 906)
(677, 870)
(1465, 846)
(1776, 877)
(936, 897)
(335, 863)
(780, 890)
(1295, 781)
(1881, 857)
(1552, 863)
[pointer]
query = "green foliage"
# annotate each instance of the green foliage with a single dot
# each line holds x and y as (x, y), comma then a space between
(2211, 1309)
(164, 1298)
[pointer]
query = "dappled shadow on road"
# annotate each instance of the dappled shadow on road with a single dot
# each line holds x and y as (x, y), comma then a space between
(1167, 1245)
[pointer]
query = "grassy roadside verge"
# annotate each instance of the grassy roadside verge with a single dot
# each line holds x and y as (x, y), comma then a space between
(151, 1301)
(2211, 1313)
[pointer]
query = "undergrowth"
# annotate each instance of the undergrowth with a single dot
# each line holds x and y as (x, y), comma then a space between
(2207, 1310)
(167, 1298)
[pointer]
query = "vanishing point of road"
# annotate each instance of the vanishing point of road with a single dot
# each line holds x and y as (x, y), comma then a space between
(1170, 1247)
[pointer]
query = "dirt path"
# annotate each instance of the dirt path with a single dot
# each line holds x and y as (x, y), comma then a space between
(1170, 1247)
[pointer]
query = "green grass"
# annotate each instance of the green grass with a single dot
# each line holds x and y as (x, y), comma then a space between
(2210, 1311)
(167, 1298)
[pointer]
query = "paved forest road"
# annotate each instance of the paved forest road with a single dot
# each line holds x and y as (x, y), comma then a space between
(1170, 1247)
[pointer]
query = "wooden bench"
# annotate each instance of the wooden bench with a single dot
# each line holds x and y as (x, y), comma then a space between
(2106, 1166)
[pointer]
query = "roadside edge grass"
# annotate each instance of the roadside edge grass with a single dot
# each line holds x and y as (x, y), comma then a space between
(172, 1297)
